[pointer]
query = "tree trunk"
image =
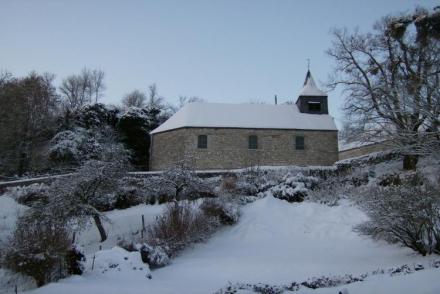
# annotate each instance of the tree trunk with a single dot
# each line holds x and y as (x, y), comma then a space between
(100, 227)
(410, 162)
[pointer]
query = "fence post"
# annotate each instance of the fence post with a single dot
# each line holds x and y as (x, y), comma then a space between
(60, 273)
(93, 262)
(143, 227)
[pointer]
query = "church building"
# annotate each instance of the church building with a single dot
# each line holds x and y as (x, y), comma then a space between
(229, 136)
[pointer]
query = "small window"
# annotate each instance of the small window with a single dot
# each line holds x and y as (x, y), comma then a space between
(253, 142)
(314, 106)
(202, 141)
(299, 143)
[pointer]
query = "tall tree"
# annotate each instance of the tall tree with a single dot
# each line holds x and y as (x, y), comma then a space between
(135, 124)
(135, 98)
(84, 88)
(391, 80)
(27, 116)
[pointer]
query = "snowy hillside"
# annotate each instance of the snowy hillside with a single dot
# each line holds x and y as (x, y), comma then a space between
(274, 242)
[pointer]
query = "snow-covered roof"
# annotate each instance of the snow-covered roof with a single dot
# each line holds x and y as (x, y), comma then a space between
(310, 88)
(251, 116)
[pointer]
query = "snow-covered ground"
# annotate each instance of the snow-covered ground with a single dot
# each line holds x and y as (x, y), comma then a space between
(274, 242)
(9, 212)
(121, 224)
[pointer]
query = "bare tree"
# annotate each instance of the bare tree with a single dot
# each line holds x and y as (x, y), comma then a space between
(154, 100)
(97, 82)
(86, 87)
(183, 100)
(391, 80)
(134, 99)
(4, 76)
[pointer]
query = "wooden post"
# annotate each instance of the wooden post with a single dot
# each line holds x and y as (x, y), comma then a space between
(93, 261)
(143, 227)
(60, 273)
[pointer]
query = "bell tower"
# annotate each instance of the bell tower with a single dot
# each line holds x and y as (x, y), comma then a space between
(311, 99)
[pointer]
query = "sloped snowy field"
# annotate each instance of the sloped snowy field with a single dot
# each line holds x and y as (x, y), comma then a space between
(274, 242)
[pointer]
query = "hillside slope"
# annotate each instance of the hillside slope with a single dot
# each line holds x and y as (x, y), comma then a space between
(274, 242)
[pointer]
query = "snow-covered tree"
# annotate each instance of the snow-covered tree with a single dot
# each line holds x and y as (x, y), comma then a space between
(181, 181)
(391, 79)
(76, 198)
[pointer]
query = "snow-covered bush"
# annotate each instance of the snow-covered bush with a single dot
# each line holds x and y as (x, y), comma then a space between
(94, 116)
(408, 214)
(181, 224)
(330, 191)
(225, 211)
(74, 146)
(250, 182)
(154, 256)
(41, 250)
(132, 191)
(29, 195)
(65, 146)
(294, 188)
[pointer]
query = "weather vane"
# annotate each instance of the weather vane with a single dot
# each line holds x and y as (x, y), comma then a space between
(308, 63)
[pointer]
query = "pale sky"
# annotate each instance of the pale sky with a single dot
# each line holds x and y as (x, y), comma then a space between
(230, 51)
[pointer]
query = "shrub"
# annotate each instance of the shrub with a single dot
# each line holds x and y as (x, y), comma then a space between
(41, 250)
(180, 225)
(226, 212)
(408, 214)
(229, 183)
(132, 191)
(294, 188)
(250, 182)
(330, 191)
(297, 193)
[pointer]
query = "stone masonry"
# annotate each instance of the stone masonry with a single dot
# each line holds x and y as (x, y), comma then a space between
(228, 148)
(362, 150)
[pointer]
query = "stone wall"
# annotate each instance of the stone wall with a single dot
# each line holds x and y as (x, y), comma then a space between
(362, 150)
(228, 148)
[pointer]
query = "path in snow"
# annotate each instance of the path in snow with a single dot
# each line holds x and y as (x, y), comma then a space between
(274, 242)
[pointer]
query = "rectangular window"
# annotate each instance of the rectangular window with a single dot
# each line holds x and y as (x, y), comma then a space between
(202, 141)
(299, 143)
(253, 142)
(314, 106)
